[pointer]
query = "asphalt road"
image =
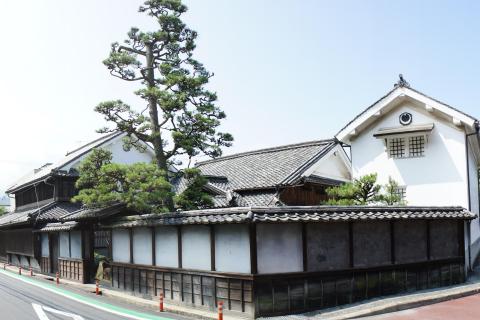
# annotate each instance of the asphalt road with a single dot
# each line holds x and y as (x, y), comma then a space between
(24, 301)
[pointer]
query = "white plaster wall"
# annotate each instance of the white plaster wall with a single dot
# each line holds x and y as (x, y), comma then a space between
(333, 167)
(196, 247)
(232, 248)
(121, 245)
(34, 264)
(166, 246)
(24, 261)
(45, 246)
(76, 244)
(14, 260)
(118, 154)
(437, 179)
(279, 247)
(64, 245)
(142, 246)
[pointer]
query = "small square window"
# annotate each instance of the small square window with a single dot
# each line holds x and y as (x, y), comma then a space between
(396, 147)
(401, 192)
(416, 146)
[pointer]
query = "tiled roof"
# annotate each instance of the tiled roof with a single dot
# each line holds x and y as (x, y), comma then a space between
(266, 167)
(93, 213)
(22, 216)
(58, 226)
(58, 210)
(293, 214)
(252, 176)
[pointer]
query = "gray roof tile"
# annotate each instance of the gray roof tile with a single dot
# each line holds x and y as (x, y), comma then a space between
(292, 214)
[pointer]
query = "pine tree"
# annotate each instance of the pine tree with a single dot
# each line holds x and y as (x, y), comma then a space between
(183, 117)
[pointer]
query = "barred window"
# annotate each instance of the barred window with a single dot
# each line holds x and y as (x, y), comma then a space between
(416, 146)
(400, 192)
(396, 147)
(406, 147)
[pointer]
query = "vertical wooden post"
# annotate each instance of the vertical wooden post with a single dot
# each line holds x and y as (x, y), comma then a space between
(154, 257)
(179, 245)
(304, 247)
(253, 248)
(350, 241)
(428, 240)
(392, 242)
(212, 247)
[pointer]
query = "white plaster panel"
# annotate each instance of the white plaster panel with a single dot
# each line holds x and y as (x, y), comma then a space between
(232, 248)
(24, 261)
(45, 246)
(279, 247)
(142, 246)
(121, 245)
(64, 244)
(76, 244)
(118, 154)
(166, 246)
(196, 247)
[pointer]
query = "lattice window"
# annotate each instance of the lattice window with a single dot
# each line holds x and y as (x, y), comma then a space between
(416, 146)
(396, 147)
(401, 192)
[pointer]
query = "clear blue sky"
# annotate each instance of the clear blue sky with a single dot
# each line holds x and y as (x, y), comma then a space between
(285, 71)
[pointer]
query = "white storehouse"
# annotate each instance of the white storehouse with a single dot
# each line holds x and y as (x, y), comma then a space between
(430, 148)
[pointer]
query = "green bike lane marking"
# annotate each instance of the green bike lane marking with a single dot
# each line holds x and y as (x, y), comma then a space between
(85, 300)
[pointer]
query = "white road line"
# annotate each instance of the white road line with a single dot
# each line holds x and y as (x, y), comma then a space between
(40, 310)
(99, 307)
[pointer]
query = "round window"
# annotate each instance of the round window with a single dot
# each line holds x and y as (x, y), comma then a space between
(406, 118)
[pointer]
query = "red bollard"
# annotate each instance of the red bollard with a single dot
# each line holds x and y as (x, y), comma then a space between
(161, 302)
(97, 288)
(220, 310)
(58, 278)
(31, 272)
(20, 271)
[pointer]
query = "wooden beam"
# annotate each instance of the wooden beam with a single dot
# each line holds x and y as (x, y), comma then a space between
(253, 248)
(154, 257)
(212, 248)
(392, 242)
(350, 243)
(179, 245)
(428, 240)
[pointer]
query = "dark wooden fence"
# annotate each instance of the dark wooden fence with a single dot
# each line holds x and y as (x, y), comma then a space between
(72, 269)
(201, 289)
(293, 293)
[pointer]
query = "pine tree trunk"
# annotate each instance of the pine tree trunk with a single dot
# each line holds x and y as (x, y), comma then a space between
(157, 141)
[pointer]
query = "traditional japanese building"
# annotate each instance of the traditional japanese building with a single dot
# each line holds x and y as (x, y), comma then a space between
(429, 147)
(32, 235)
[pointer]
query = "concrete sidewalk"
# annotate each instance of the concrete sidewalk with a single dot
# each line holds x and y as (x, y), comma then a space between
(151, 305)
(392, 303)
